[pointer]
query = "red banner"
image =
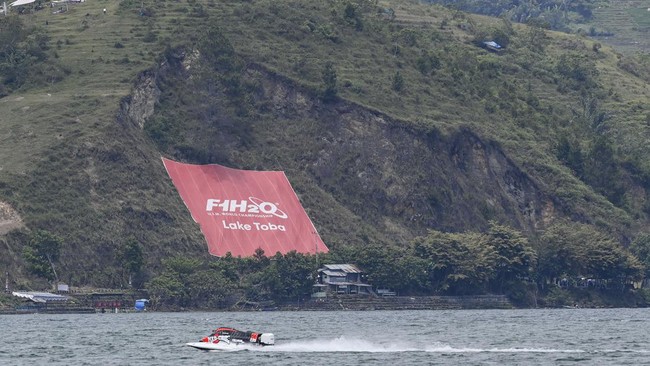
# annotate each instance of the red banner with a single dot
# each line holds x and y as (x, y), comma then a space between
(242, 210)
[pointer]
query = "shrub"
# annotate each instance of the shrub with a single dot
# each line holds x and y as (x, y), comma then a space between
(398, 82)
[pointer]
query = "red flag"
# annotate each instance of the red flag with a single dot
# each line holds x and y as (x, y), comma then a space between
(242, 210)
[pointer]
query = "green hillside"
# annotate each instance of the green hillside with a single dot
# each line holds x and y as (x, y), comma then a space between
(423, 128)
(622, 24)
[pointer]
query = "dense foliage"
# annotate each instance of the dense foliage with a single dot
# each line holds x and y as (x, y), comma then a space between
(499, 261)
(42, 252)
(24, 56)
(228, 281)
(130, 255)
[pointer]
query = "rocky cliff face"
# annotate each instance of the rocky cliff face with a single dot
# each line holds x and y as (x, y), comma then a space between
(9, 218)
(387, 170)
(399, 178)
(136, 108)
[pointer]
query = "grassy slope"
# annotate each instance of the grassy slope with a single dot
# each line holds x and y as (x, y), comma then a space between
(367, 63)
(108, 187)
(60, 111)
(70, 168)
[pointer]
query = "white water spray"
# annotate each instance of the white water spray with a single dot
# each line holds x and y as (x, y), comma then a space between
(346, 345)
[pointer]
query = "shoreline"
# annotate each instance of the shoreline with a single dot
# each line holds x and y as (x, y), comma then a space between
(331, 303)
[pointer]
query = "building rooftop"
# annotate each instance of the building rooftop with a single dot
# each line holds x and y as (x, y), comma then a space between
(347, 268)
(41, 297)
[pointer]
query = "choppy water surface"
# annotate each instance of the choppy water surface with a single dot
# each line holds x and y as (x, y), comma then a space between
(513, 337)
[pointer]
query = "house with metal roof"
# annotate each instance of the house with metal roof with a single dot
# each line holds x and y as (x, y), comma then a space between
(340, 279)
(46, 302)
(492, 46)
(40, 297)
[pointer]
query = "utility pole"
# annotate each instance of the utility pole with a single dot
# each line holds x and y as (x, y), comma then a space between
(315, 235)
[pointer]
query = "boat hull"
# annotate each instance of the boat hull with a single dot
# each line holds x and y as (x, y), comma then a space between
(223, 346)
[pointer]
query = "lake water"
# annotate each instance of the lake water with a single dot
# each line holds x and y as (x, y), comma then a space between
(485, 337)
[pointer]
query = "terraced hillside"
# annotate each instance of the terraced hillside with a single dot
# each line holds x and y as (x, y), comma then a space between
(630, 23)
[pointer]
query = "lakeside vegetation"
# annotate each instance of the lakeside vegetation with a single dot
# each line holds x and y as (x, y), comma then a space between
(575, 266)
(570, 264)
(569, 113)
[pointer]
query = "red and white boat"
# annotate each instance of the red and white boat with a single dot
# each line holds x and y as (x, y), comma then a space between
(226, 339)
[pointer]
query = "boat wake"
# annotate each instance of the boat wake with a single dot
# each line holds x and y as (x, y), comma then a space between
(354, 345)
(343, 344)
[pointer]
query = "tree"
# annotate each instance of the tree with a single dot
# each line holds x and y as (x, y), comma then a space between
(640, 247)
(608, 260)
(558, 255)
(536, 38)
(456, 263)
(13, 58)
(216, 48)
(502, 34)
(602, 172)
(578, 71)
(329, 82)
(514, 257)
(572, 249)
(130, 256)
(290, 276)
(165, 289)
(381, 265)
(408, 37)
(42, 252)
(427, 62)
(208, 288)
(223, 65)
(189, 282)
(413, 275)
(23, 54)
(570, 154)
(353, 14)
(182, 266)
(444, 254)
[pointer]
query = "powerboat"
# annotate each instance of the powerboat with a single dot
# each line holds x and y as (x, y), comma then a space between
(228, 339)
